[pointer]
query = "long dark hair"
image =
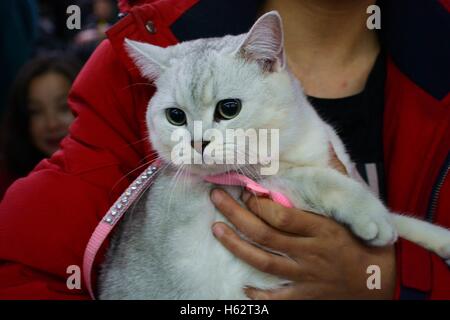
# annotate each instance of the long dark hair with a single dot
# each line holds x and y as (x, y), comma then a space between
(18, 155)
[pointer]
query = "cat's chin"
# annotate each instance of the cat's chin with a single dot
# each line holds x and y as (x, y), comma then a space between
(204, 170)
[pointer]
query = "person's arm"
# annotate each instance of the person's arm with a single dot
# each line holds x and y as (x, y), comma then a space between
(325, 260)
(47, 218)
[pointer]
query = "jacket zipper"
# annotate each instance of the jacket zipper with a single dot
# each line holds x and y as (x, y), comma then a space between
(435, 193)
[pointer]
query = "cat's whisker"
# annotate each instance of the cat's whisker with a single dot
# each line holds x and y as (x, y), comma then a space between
(233, 147)
(184, 183)
(138, 141)
(160, 170)
(151, 155)
(228, 177)
(173, 183)
(179, 181)
(250, 174)
(130, 173)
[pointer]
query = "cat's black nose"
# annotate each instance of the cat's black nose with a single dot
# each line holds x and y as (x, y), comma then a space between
(199, 146)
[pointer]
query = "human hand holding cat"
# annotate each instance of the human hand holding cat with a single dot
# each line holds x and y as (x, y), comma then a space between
(326, 260)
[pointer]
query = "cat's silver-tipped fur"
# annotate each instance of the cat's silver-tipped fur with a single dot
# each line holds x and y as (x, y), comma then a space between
(165, 249)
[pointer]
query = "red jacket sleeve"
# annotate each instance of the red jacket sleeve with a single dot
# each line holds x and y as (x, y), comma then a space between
(46, 219)
(417, 144)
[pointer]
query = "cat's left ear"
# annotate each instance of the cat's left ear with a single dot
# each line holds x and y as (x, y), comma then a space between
(150, 59)
(264, 43)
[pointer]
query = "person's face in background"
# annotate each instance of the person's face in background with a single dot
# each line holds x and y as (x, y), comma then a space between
(103, 9)
(50, 116)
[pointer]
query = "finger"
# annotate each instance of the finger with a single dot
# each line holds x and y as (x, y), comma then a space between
(250, 225)
(256, 257)
(291, 220)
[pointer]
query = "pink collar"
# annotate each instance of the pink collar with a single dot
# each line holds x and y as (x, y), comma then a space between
(133, 192)
(236, 179)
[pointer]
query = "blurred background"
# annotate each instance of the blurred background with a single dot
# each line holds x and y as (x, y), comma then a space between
(41, 56)
(40, 59)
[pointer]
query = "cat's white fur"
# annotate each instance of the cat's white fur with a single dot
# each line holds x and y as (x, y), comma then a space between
(164, 248)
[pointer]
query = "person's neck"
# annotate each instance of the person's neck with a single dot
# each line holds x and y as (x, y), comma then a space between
(327, 35)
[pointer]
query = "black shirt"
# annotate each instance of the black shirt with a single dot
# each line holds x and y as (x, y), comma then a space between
(358, 120)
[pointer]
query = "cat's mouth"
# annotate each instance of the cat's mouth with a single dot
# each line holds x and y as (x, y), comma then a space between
(202, 169)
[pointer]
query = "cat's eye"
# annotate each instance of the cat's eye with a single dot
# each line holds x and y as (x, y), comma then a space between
(227, 109)
(176, 116)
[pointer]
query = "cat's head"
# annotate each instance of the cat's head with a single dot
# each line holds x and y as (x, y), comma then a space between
(234, 82)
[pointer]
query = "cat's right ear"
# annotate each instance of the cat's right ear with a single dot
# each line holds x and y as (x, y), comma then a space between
(149, 59)
(264, 43)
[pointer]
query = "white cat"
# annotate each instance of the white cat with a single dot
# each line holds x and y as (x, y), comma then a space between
(164, 248)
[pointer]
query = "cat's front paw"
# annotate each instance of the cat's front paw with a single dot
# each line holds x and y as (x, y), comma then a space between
(444, 253)
(375, 229)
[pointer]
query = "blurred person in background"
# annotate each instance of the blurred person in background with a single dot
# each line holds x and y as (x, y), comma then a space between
(103, 15)
(37, 116)
(37, 28)
(17, 36)
(52, 32)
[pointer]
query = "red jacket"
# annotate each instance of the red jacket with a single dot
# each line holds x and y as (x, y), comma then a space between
(46, 219)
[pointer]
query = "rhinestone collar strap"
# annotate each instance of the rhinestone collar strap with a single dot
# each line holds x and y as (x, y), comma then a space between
(133, 192)
(111, 218)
